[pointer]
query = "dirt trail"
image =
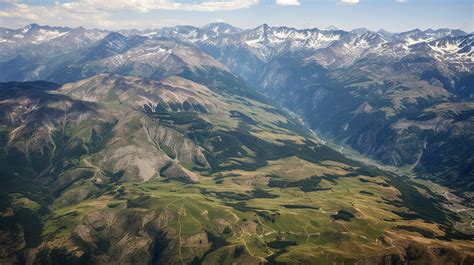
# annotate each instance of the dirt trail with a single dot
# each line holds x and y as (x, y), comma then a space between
(242, 238)
(97, 170)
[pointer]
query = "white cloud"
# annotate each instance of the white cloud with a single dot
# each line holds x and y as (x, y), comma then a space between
(349, 2)
(149, 5)
(98, 6)
(288, 2)
(99, 13)
(401, 1)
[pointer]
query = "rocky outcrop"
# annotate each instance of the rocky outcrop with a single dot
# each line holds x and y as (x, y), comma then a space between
(175, 143)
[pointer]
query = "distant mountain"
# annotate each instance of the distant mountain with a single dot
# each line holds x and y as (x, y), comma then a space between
(35, 41)
(331, 28)
(116, 53)
(417, 35)
(385, 33)
(222, 28)
(359, 31)
(34, 34)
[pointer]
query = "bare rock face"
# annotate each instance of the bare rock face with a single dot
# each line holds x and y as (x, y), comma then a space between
(152, 149)
(130, 153)
(137, 162)
(181, 148)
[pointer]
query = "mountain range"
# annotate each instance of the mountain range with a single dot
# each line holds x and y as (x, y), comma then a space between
(222, 145)
(408, 92)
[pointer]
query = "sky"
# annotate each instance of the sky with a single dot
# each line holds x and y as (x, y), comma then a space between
(391, 15)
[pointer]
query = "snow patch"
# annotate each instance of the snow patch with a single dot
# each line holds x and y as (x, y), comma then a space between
(47, 35)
